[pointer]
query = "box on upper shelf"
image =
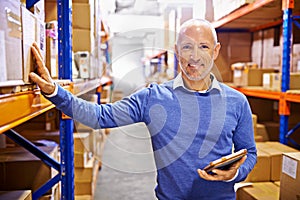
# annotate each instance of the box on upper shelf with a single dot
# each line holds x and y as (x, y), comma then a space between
(10, 43)
(33, 30)
(272, 81)
(83, 16)
(223, 8)
(245, 74)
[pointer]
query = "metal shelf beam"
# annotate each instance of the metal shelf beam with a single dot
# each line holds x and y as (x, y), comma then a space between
(64, 16)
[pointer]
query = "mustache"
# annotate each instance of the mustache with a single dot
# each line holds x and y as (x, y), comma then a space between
(198, 62)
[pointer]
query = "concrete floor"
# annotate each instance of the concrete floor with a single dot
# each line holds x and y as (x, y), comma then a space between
(128, 170)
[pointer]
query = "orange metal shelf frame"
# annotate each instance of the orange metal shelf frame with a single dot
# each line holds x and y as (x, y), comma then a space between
(284, 98)
(260, 93)
(250, 17)
(20, 107)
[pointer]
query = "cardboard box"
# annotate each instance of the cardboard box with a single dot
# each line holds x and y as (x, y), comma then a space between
(46, 116)
(249, 77)
(50, 125)
(83, 40)
(52, 56)
(290, 176)
(275, 150)
(81, 159)
(10, 43)
(16, 195)
(85, 174)
(82, 142)
(259, 191)
(20, 170)
(50, 11)
(28, 38)
(83, 16)
(262, 169)
(84, 197)
(34, 135)
(87, 187)
(267, 81)
(84, 188)
(262, 131)
(294, 81)
(38, 9)
(277, 183)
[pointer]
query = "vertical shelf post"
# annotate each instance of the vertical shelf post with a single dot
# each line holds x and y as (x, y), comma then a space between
(286, 51)
(64, 12)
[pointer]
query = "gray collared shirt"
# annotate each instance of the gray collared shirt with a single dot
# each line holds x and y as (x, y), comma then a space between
(178, 82)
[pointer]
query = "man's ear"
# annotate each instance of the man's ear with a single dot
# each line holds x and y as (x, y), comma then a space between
(217, 50)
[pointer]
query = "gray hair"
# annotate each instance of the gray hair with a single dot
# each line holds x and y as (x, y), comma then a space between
(200, 22)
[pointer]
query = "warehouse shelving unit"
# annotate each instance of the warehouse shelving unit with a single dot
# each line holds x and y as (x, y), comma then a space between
(257, 16)
(32, 103)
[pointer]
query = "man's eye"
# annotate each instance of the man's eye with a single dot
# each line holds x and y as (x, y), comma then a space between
(186, 47)
(204, 47)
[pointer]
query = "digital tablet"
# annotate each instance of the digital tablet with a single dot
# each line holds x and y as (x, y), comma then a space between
(226, 161)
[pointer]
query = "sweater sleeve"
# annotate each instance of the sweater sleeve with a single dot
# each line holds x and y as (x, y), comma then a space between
(124, 112)
(244, 138)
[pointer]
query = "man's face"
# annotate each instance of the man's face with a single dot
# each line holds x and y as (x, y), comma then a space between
(196, 51)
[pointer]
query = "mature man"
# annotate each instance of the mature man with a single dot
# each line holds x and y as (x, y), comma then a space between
(193, 119)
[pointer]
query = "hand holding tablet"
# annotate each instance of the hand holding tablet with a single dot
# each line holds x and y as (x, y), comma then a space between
(226, 161)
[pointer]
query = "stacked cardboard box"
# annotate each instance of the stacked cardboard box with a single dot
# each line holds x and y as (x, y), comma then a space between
(259, 190)
(262, 170)
(33, 30)
(16, 194)
(82, 153)
(272, 81)
(275, 151)
(244, 75)
(83, 26)
(10, 43)
(290, 176)
(87, 156)
(268, 177)
(33, 174)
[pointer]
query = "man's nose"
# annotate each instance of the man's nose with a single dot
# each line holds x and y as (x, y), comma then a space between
(195, 53)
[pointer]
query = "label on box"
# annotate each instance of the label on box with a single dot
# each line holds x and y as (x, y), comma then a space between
(289, 166)
(237, 73)
(266, 79)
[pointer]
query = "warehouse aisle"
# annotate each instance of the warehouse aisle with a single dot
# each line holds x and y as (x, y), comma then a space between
(128, 170)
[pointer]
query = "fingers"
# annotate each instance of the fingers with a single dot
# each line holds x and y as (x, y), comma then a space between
(43, 79)
(211, 177)
(37, 49)
(46, 86)
(222, 175)
(239, 163)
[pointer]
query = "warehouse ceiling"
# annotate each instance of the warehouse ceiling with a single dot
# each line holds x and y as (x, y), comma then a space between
(148, 7)
(139, 7)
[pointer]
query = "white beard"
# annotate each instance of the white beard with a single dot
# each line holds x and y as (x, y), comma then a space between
(199, 77)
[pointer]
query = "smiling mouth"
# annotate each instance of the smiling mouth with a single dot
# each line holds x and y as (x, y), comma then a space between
(195, 65)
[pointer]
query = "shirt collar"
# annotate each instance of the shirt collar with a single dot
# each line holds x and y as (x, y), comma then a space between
(178, 82)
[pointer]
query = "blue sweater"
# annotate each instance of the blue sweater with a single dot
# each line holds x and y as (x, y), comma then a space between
(188, 130)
